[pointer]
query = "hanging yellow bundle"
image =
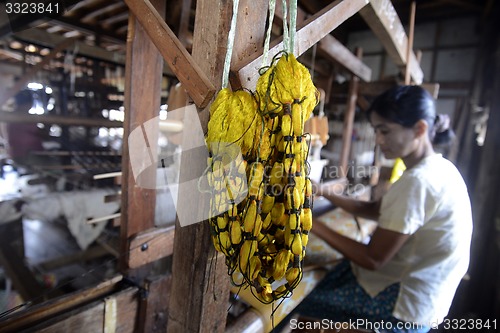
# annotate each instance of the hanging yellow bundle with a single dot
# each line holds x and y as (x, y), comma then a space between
(264, 236)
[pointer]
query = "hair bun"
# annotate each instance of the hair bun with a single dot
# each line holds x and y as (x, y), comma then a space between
(441, 123)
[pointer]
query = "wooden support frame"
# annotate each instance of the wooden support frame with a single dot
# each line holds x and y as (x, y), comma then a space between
(245, 73)
(349, 121)
(193, 309)
(11, 117)
(150, 246)
(383, 20)
(41, 312)
(199, 87)
(202, 308)
(142, 103)
(337, 52)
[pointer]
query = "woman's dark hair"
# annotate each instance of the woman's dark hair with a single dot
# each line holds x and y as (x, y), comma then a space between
(406, 105)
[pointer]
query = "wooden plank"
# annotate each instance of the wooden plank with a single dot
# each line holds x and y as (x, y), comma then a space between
(153, 313)
(199, 87)
(107, 175)
(102, 218)
(151, 245)
(315, 28)
(89, 318)
(14, 117)
(91, 253)
(115, 313)
(199, 293)
(383, 20)
(250, 321)
(142, 102)
(40, 312)
(337, 52)
(349, 122)
(113, 197)
(127, 310)
(250, 30)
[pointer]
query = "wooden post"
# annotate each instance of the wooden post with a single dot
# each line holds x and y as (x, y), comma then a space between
(409, 47)
(200, 285)
(142, 103)
(349, 120)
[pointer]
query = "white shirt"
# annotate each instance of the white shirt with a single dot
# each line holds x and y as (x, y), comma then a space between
(429, 202)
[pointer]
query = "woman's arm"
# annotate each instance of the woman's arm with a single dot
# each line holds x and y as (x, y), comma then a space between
(383, 245)
(366, 209)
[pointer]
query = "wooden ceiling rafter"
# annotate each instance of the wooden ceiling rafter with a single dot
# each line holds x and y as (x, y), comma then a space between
(84, 7)
(245, 73)
(107, 10)
(104, 34)
(336, 51)
(194, 80)
(115, 19)
(383, 20)
(45, 39)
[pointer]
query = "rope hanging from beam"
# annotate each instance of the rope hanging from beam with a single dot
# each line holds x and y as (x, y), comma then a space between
(230, 43)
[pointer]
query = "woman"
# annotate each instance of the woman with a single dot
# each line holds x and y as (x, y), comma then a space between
(409, 271)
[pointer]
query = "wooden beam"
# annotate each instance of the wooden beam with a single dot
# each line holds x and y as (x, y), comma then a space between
(250, 31)
(43, 311)
(151, 245)
(142, 103)
(349, 122)
(18, 20)
(337, 52)
(202, 308)
(89, 316)
(14, 117)
(199, 87)
(105, 35)
(315, 28)
(93, 252)
(153, 311)
(409, 46)
(250, 321)
(115, 313)
(383, 20)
